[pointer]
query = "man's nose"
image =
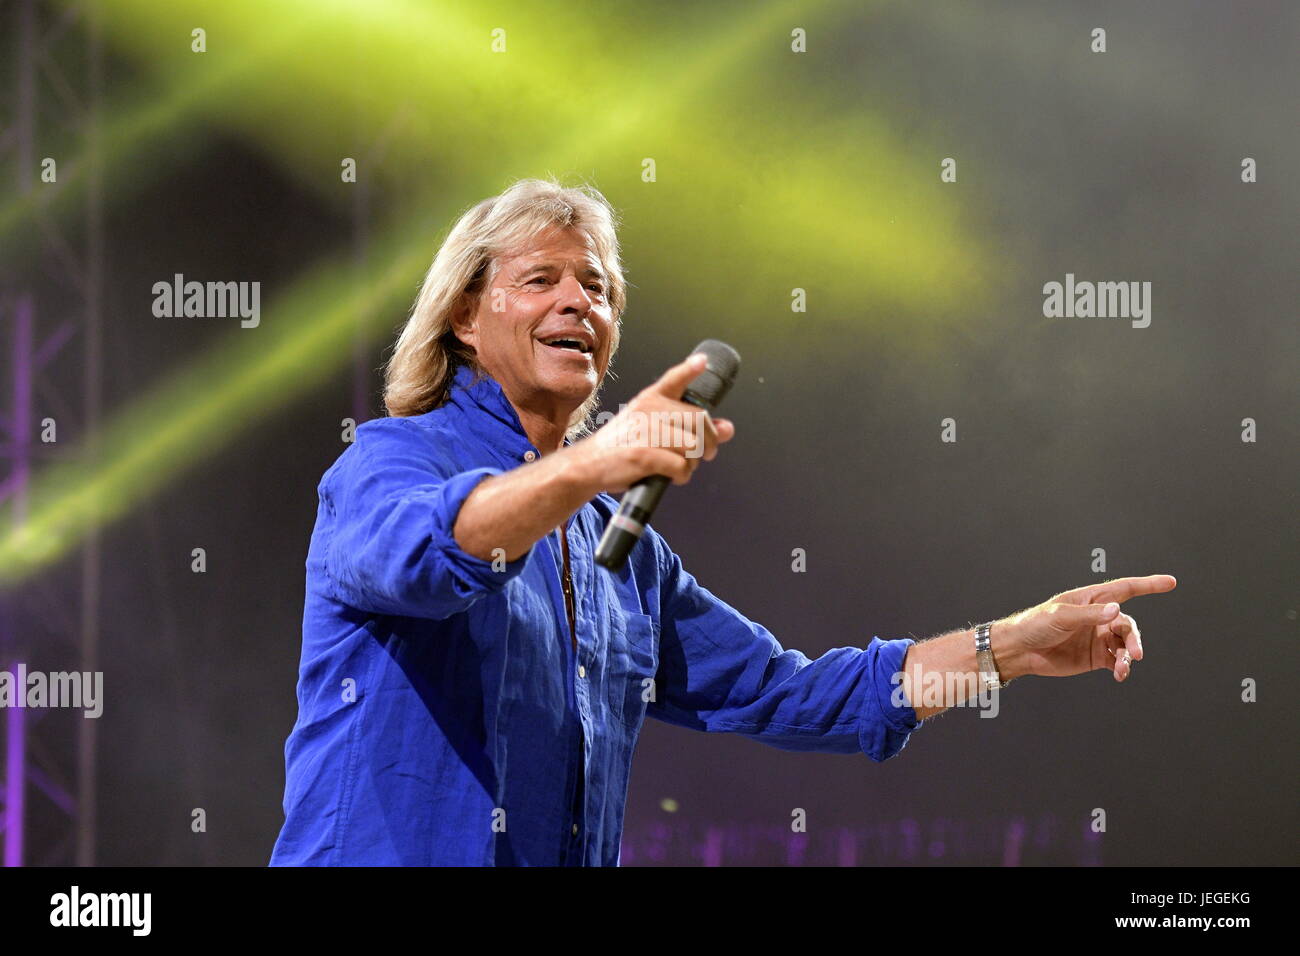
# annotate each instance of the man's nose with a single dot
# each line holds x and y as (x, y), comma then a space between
(573, 296)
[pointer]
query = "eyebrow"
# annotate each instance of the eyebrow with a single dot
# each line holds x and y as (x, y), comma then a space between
(588, 270)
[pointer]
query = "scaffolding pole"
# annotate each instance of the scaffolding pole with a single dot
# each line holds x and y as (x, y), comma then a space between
(34, 342)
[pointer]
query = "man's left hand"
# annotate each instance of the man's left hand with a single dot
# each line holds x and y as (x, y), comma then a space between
(1078, 631)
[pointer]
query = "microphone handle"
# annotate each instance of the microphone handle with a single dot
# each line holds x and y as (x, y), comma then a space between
(635, 511)
(628, 523)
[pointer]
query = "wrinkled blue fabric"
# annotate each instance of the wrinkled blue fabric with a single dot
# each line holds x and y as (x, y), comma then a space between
(443, 716)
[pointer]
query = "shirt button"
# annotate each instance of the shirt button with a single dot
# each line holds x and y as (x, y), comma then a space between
(530, 455)
(575, 829)
(582, 671)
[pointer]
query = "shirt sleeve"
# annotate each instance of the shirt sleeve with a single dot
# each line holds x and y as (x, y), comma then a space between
(390, 548)
(720, 672)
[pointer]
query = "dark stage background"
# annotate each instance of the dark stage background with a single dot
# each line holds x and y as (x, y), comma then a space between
(774, 170)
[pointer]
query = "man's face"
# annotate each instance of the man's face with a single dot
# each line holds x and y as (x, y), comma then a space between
(554, 289)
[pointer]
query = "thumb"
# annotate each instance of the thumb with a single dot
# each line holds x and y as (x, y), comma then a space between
(674, 381)
(1070, 617)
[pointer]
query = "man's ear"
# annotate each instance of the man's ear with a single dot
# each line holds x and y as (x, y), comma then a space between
(463, 321)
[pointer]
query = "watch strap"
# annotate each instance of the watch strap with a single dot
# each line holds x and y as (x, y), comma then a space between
(988, 667)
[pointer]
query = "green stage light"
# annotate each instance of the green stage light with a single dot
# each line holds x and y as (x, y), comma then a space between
(302, 340)
(729, 228)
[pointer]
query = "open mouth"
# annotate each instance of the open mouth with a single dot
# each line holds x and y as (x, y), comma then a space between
(573, 345)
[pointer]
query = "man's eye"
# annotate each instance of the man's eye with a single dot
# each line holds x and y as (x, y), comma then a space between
(597, 288)
(537, 279)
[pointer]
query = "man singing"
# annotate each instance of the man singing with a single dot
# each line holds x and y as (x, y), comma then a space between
(472, 684)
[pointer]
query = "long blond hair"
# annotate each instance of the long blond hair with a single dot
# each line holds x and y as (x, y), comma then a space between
(419, 373)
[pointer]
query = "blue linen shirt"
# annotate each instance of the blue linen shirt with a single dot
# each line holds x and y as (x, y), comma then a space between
(444, 718)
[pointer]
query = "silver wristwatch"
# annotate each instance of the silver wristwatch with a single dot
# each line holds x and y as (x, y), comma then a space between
(988, 668)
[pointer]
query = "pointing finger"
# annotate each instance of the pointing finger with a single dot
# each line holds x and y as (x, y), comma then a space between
(1124, 588)
(1120, 589)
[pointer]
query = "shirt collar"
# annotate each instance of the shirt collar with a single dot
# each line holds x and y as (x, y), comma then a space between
(471, 392)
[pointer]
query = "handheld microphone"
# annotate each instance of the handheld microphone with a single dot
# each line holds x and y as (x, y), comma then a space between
(706, 391)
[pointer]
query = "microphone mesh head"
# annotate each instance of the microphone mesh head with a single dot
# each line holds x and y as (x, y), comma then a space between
(712, 385)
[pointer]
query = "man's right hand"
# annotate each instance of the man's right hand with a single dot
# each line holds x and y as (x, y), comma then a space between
(655, 434)
(511, 511)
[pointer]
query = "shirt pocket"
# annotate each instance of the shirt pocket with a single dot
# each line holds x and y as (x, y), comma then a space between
(633, 662)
